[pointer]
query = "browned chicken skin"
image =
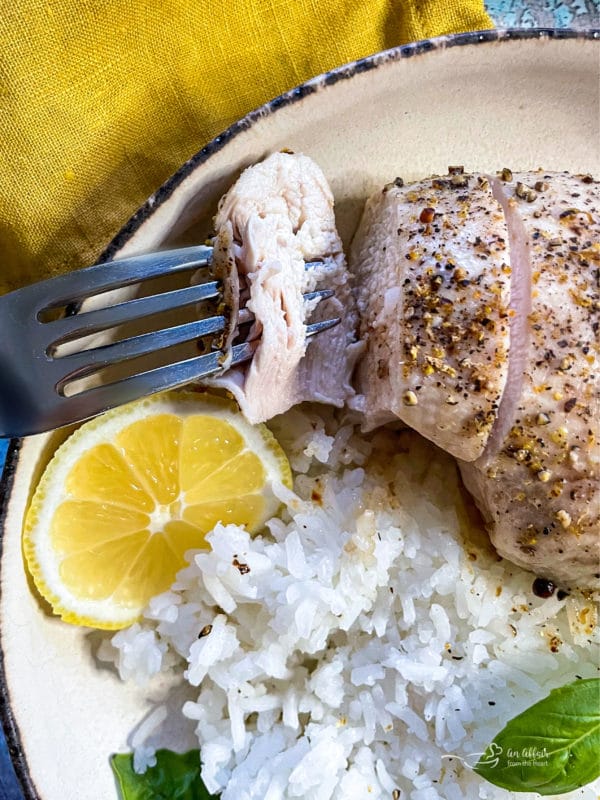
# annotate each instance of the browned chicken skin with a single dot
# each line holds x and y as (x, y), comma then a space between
(515, 340)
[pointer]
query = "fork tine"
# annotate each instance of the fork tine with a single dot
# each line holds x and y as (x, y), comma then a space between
(324, 325)
(84, 362)
(100, 398)
(66, 329)
(75, 365)
(321, 294)
(77, 286)
(179, 372)
(313, 264)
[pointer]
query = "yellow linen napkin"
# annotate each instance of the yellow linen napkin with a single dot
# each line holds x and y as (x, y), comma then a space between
(101, 100)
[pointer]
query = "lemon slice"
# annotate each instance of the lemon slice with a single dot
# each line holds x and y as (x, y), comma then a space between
(131, 491)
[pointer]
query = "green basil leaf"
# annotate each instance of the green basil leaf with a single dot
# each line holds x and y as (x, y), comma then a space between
(174, 777)
(550, 748)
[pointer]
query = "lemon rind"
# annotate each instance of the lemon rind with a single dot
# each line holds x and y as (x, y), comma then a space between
(180, 402)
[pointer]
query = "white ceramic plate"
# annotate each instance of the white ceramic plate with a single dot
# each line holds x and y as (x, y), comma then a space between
(523, 100)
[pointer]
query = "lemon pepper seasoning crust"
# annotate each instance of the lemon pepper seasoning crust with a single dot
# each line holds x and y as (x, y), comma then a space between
(433, 290)
(541, 487)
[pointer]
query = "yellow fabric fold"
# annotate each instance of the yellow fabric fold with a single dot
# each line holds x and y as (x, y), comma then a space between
(101, 100)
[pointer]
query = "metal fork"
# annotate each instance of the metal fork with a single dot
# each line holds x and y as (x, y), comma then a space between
(41, 356)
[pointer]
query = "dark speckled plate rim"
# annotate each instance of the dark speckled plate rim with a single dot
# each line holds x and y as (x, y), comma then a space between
(321, 82)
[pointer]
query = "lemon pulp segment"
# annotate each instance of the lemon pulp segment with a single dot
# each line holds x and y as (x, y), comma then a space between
(131, 492)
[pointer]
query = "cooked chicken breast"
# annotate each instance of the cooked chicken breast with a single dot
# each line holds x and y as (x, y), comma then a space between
(431, 263)
(538, 482)
(478, 298)
(275, 219)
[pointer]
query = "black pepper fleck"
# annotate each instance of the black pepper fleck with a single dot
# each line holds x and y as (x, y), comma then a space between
(542, 587)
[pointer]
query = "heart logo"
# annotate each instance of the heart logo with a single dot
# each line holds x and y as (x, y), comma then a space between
(491, 756)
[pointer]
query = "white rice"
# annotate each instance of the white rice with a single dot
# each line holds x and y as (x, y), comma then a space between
(366, 647)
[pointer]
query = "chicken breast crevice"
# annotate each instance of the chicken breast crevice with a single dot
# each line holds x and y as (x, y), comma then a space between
(519, 259)
(538, 484)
